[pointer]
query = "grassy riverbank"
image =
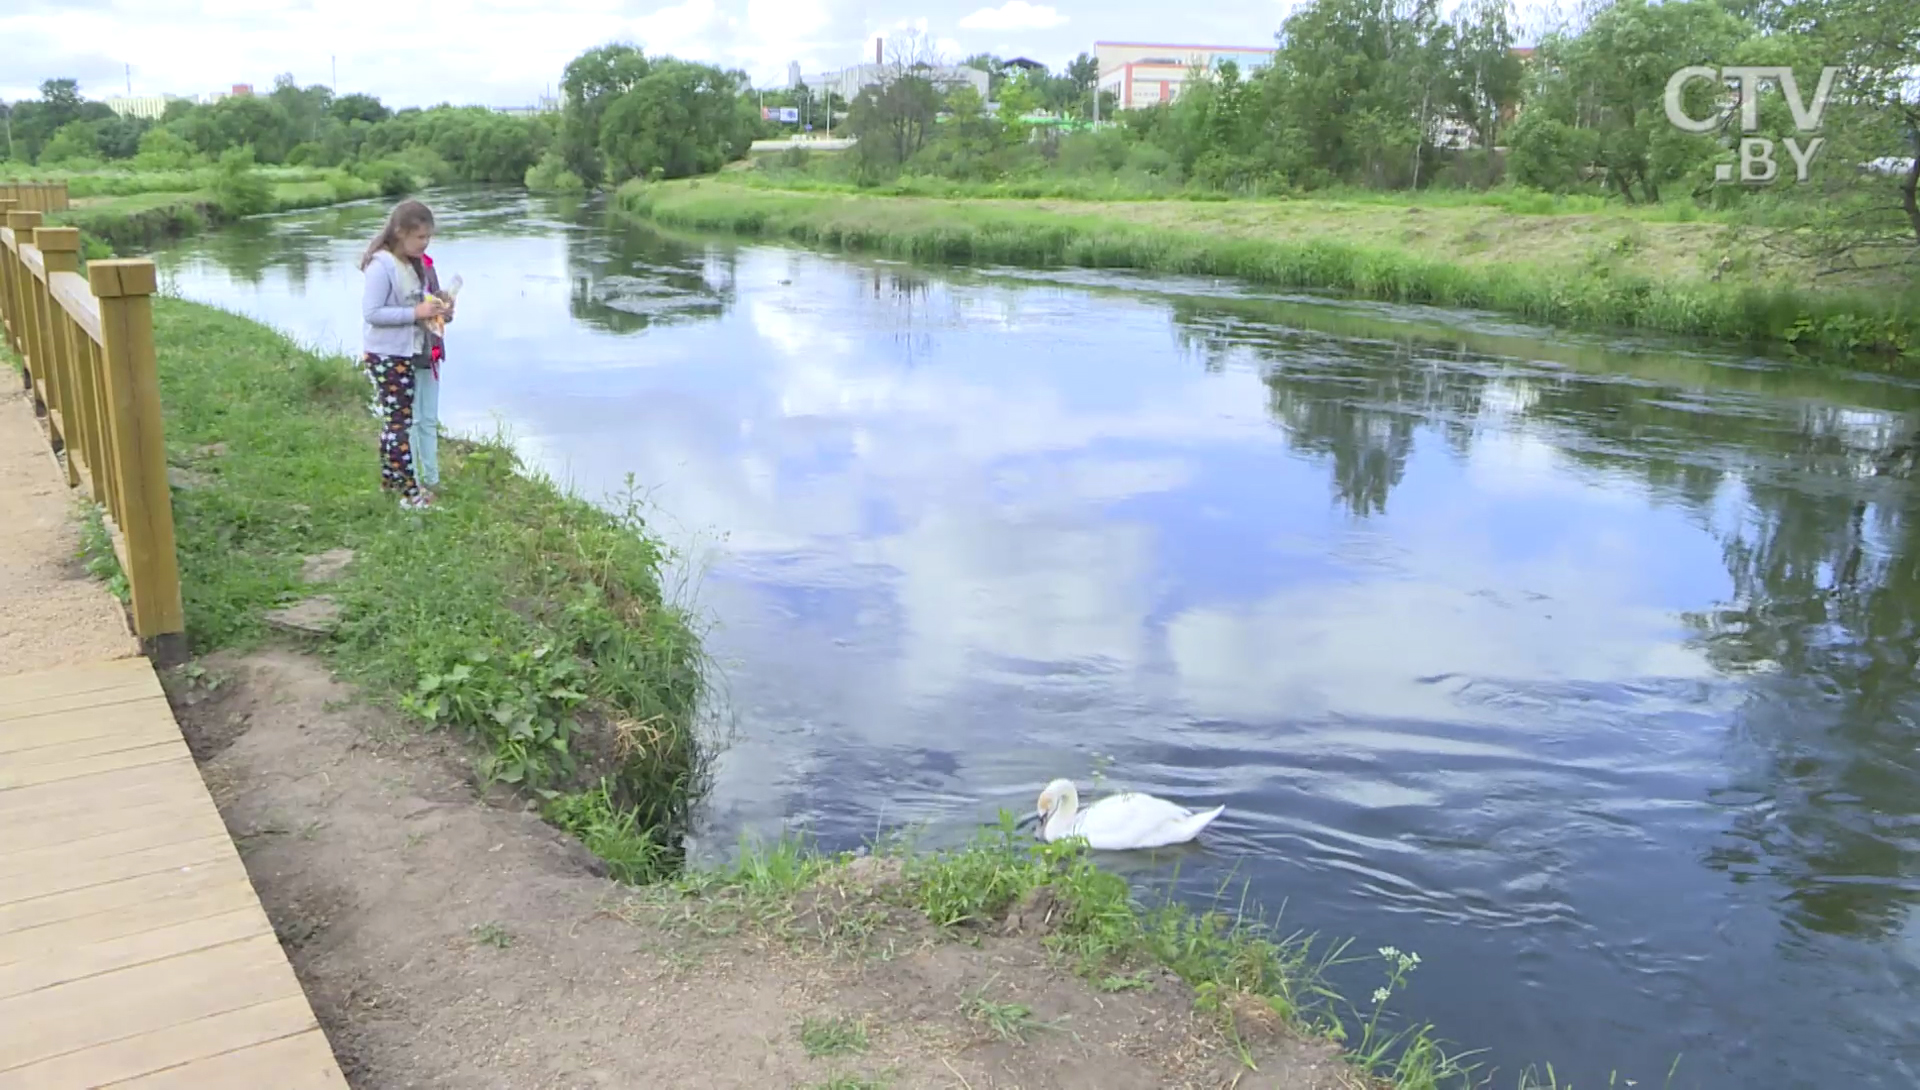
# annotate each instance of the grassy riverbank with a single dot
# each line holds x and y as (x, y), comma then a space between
(137, 222)
(1574, 269)
(528, 619)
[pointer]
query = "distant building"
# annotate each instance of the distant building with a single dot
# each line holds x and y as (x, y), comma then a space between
(148, 106)
(545, 104)
(793, 75)
(1142, 74)
(242, 90)
(847, 83)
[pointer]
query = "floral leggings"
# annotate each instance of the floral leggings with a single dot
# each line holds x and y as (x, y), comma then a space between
(392, 378)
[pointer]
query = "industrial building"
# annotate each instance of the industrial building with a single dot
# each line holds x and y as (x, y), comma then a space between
(1142, 74)
(847, 83)
(155, 106)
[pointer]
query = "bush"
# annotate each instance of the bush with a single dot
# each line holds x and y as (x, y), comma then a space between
(393, 179)
(427, 166)
(1549, 154)
(75, 143)
(164, 149)
(346, 187)
(238, 189)
(550, 175)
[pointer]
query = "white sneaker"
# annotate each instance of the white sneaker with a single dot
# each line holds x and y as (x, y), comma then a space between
(416, 503)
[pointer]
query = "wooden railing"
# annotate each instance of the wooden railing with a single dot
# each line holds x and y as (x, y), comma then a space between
(87, 343)
(35, 196)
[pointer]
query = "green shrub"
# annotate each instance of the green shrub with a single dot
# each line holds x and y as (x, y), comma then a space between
(550, 175)
(164, 149)
(393, 179)
(238, 189)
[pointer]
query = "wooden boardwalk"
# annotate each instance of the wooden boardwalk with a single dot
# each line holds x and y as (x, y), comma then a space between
(133, 951)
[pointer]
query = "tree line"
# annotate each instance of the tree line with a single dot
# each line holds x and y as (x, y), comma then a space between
(625, 115)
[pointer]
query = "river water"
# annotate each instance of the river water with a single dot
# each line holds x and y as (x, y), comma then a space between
(1585, 670)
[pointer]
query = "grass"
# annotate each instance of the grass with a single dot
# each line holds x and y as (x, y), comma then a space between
(1105, 935)
(97, 552)
(127, 180)
(849, 1081)
(143, 219)
(1573, 271)
(833, 1036)
(1230, 954)
(768, 171)
(529, 620)
(1007, 1021)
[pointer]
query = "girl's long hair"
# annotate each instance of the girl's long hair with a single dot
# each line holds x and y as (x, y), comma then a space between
(406, 216)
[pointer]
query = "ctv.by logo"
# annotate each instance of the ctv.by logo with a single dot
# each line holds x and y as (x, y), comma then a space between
(1757, 165)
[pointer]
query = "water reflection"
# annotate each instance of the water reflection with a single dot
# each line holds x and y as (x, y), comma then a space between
(625, 281)
(1815, 517)
(1585, 670)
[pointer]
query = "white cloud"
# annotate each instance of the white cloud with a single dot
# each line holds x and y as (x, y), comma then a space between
(1014, 15)
(1374, 648)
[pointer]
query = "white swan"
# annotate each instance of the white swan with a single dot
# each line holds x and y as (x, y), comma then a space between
(1118, 822)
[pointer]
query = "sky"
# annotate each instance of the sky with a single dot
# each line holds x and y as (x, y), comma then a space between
(508, 52)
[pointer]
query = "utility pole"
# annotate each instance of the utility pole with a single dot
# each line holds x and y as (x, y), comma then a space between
(129, 81)
(336, 74)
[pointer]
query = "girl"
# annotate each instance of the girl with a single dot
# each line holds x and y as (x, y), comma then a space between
(395, 304)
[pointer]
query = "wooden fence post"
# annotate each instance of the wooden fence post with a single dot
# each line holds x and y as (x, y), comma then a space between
(60, 250)
(7, 204)
(132, 400)
(25, 298)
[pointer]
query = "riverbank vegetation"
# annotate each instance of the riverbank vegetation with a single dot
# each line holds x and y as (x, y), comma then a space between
(1408, 98)
(527, 619)
(140, 219)
(1245, 976)
(1588, 271)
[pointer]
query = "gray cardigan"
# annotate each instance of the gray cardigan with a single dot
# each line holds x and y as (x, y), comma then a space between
(391, 329)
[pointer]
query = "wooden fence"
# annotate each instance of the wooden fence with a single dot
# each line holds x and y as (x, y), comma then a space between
(88, 347)
(35, 196)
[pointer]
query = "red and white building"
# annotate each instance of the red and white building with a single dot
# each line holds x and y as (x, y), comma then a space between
(1142, 74)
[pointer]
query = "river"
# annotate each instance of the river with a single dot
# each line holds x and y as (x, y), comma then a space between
(1584, 669)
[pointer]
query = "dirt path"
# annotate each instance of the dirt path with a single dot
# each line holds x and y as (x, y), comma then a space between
(56, 614)
(446, 942)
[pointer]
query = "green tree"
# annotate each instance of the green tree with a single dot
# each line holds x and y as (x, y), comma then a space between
(1865, 218)
(73, 142)
(1485, 76)
(892, 121)
(1344, 92)
(1610, 81)
(359, 107)
(1083, 72)
(680, 119)
(592, 82)
(119, 137)
(162, 149)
